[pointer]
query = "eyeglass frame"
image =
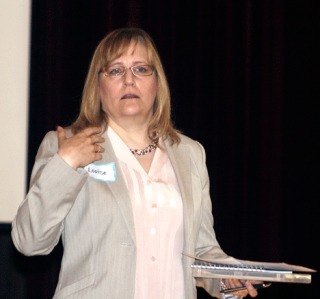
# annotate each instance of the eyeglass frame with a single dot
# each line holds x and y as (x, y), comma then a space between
(103, 70)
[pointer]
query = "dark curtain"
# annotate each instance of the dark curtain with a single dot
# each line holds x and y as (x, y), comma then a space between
(242, 83)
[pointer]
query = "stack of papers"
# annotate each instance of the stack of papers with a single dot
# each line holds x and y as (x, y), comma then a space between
(251, 270)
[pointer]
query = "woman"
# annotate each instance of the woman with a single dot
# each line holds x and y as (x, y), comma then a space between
(124, 189)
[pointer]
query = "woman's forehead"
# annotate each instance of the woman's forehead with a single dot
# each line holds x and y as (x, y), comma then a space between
(133, 48)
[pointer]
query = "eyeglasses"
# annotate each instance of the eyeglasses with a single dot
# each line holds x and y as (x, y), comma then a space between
(137, 70)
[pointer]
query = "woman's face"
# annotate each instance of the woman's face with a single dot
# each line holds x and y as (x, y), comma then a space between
(128, 98)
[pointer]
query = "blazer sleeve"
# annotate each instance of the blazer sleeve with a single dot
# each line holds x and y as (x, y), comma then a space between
(207, 245)
(54, 186)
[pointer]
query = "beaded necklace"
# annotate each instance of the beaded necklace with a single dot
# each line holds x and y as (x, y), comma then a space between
(146, 150)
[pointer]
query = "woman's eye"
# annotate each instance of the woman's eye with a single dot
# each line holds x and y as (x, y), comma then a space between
(115, 71)
(140, 69)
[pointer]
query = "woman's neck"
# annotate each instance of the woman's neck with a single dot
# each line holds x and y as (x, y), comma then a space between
(134, 136)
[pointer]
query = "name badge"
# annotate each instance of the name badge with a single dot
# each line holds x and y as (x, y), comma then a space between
(102, 172)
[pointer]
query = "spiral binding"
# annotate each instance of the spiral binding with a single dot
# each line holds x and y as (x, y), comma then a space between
(206, 265)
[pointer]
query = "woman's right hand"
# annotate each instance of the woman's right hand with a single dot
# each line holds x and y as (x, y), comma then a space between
(82, 148)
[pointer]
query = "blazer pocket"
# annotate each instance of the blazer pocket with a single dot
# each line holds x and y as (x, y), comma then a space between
(75, 287)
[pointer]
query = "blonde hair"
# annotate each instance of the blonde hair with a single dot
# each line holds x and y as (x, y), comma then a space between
(111, 47)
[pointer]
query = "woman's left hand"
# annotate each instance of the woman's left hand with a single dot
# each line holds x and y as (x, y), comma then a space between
(236, 283)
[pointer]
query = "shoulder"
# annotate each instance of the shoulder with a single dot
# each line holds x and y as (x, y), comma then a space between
(194, 147)
(50, 139)
(52, 135)
(188, 141)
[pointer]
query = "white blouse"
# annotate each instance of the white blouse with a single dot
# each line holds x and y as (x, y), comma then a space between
(158, 219)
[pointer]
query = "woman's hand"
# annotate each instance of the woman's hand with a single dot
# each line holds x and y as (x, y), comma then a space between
(236, 283)
(81, 149)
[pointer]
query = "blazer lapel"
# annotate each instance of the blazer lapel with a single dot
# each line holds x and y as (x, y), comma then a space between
(118, 188)
(180, 161)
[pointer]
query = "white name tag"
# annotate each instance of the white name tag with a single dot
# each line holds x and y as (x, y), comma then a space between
(102, 172)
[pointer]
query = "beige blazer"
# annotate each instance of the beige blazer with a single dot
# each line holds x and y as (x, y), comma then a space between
(95, 221)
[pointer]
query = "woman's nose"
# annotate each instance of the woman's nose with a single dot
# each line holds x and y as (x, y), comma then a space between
(128, 77)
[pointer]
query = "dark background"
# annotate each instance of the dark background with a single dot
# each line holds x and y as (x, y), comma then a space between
(243, 80)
